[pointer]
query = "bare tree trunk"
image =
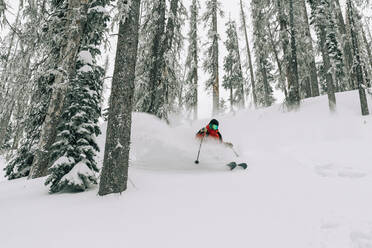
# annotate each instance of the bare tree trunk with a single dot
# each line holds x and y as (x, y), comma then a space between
(358, 67)
(311, 60)
(249, 56)
(115, 165)
(67, 62)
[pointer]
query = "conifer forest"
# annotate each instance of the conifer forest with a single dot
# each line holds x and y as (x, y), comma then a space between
(91, 88)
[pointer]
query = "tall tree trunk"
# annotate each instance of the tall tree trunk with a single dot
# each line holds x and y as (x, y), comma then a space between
(249, 56)
(265, 83)
(216, 85)
(358, 67)
(311, 60)
(157, 56)
(346, 46)
(279, 64)
(194, 20)
(242, 101)
(294, 92)
(115, 165)
(368, 48)
(285, 41)
(67, 62)
(327, 66)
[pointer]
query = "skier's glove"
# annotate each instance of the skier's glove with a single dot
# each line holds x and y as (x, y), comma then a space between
(228, 144)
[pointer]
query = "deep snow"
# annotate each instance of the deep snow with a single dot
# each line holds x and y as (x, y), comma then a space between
(308, 184)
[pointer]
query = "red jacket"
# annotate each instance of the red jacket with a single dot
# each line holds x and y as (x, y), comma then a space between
(207, 131)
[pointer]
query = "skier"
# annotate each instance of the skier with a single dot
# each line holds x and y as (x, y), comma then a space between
(211, 131)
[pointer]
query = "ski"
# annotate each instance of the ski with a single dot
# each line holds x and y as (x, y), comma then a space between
(233, 165)
(243, 165)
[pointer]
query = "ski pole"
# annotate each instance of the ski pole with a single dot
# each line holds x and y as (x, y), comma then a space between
(197, 158)
(232, 148)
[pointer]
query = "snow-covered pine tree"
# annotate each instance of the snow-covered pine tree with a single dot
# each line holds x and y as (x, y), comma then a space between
(345, 42)
(249, 57)
(233, 80)
(74, 167)
(192, 61)
(210, 64)
(260, 16)
(68, 16)
(320, 10)
(357, 67)
(158, 79)
(309, 58)
(115, 165)
(281, 11)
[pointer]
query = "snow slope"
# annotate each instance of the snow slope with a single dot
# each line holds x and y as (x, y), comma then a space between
(308, 184)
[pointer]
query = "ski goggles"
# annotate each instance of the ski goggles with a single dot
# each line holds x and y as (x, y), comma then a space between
(214, 126)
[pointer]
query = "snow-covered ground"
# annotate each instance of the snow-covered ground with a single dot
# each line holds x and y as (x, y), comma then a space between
(308, 184)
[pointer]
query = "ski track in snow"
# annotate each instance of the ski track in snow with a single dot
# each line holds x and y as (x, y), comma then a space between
(308, 185)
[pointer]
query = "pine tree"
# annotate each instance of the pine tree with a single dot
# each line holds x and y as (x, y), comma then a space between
(293, 86)
(158, 79)
(68, 15)
(344, 37)
(74, 167)
(281, 8)
(310, 58)
(115, 165)
(320, 18)
(358, 67)
(253, 84)
(210, 64)
(233, 78)
(192, 61)
(260, 17)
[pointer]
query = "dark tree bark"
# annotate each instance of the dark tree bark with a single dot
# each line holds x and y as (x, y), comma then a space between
(311, 60)
(265, 83)
(327, 66)
(293, 87)
(194, 20)
(157, 55)
(285, 41)
(249, 56)
(115, 165)
(358, 67)
(216, 84)
(346, 46)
